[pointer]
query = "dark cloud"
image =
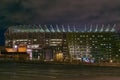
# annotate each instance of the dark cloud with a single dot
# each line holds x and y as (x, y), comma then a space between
(14, 12)
(59, 11)
(77, 11)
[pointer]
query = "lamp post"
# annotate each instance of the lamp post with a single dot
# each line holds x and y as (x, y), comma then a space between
(117, 58)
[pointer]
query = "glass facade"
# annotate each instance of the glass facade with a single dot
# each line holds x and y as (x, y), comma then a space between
(62, 43)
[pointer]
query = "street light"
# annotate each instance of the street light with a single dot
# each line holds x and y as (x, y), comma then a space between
(117, 57)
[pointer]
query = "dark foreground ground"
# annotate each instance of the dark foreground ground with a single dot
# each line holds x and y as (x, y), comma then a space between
(28, 71)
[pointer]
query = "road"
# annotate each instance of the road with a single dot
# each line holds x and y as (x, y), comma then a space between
(27, 71)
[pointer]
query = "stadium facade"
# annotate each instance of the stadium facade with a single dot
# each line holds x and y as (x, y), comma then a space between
(65, 43)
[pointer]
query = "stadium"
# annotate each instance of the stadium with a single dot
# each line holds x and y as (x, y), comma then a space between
(85, 43)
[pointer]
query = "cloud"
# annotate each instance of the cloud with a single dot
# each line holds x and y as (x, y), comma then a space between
(78, 11)
(13, 12)
(60, 11)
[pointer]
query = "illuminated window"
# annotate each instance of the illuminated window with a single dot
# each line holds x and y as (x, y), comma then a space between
(28, 46)
(109, 38)
(64, 40)
(104, 38)
(93, 35)
(101, 35)
(109, 49)
(46, 39)
(34, 39)
(96, 47)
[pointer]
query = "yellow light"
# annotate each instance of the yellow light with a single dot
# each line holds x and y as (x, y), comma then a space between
(59, 56)
(111, 61)
(22, 49)
(10, 50)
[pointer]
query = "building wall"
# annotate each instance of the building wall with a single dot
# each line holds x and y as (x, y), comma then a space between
(47, 43)
(100, 47)
(82, 46)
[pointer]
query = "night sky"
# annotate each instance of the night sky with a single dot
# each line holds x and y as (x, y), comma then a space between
(15, 12)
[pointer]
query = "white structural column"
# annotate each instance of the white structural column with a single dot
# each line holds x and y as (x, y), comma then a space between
(91, 28)
(52, 29)
(46, 29)
(41, 29)
(69, 28)
(74, 28)
(113, 29)
(102, 28)
(108, 28)
(63, 29)
(96, 29)
(85, 28)
(58, 30)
